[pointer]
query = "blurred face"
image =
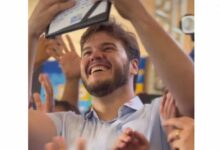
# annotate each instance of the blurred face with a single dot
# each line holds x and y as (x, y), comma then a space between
(104, 65)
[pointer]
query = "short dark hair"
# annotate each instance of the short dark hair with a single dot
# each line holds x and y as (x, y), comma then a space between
(115, 30)
(66, 106)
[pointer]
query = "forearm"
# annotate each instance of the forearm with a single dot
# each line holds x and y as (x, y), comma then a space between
(71, 91)
(39, 134)
(32, 44)
(37, 64)
(174, 67)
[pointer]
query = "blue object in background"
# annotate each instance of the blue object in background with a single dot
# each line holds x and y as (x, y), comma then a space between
(54, 72)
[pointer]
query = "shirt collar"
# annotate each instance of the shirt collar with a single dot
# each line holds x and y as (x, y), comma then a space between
(134, 103)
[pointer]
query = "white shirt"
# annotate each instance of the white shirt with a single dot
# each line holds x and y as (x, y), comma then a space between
(102, 135)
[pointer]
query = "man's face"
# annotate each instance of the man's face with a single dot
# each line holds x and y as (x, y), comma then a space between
(104, 65)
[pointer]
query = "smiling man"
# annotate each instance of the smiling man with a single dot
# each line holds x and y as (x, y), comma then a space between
(105, 64)
(110, 58)
(109, 63)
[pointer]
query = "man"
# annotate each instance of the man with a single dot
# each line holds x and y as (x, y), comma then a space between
(108, 67)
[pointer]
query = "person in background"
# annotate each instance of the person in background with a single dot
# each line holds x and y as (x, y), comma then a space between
(182, 135)
(179, 129)
(70, 65)
(51, 104)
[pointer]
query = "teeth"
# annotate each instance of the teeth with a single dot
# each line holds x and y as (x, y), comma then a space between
(98, 68)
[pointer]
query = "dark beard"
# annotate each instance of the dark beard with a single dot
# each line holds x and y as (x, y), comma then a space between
(104, 88)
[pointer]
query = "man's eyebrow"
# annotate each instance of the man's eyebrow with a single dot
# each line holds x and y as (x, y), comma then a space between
(103, 44)
(85, 48)
(108, 44)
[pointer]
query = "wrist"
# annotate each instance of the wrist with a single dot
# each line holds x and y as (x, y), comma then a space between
(32, 36)
(32, 31)
(72, 79)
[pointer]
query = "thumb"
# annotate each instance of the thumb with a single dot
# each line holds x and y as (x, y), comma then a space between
(38, 102)
(81, 144)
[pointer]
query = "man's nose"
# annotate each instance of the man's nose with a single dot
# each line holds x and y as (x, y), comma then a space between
(96, 54)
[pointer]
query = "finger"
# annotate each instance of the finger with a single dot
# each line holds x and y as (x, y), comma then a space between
(124, 138)
(59, 50)
(127, 135)
(121, 145)
(166, 106)
(71, 45)
(170, 105)
(141, 138)
(40, 78)
(53, 54)
(62, 44)
(176, 144)
(48, 89)
(175, 122)
(59, 6)
(48, 83)
(173, 110)
(128, 131)
(45, 82)
(49, 103)
(55, 46)
(53, 43)
(173, 135)
(42, 37)
(37, 101)
(81, 144)
(60, 142)
(121, 141)
(50, 146)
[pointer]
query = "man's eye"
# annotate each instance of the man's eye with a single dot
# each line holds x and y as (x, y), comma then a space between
(107, 48)
(86, 53)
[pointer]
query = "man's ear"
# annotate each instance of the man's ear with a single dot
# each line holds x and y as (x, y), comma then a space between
(134, 66)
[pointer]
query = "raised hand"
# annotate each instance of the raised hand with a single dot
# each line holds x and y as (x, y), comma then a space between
(67, 57)
(49, 105)
(42, 15)
(44, 12)
(130, 140)
(168, 107)
(41, 54)
(168, 110)
(182, 137)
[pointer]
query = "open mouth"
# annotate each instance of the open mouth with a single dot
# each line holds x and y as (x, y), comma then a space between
(97, 68)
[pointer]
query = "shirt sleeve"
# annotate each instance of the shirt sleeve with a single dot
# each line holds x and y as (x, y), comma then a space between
(57, 118)
(157, 128)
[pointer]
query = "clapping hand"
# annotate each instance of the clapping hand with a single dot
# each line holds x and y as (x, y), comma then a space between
(49, 104)
(67, 57)
(131, 140)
